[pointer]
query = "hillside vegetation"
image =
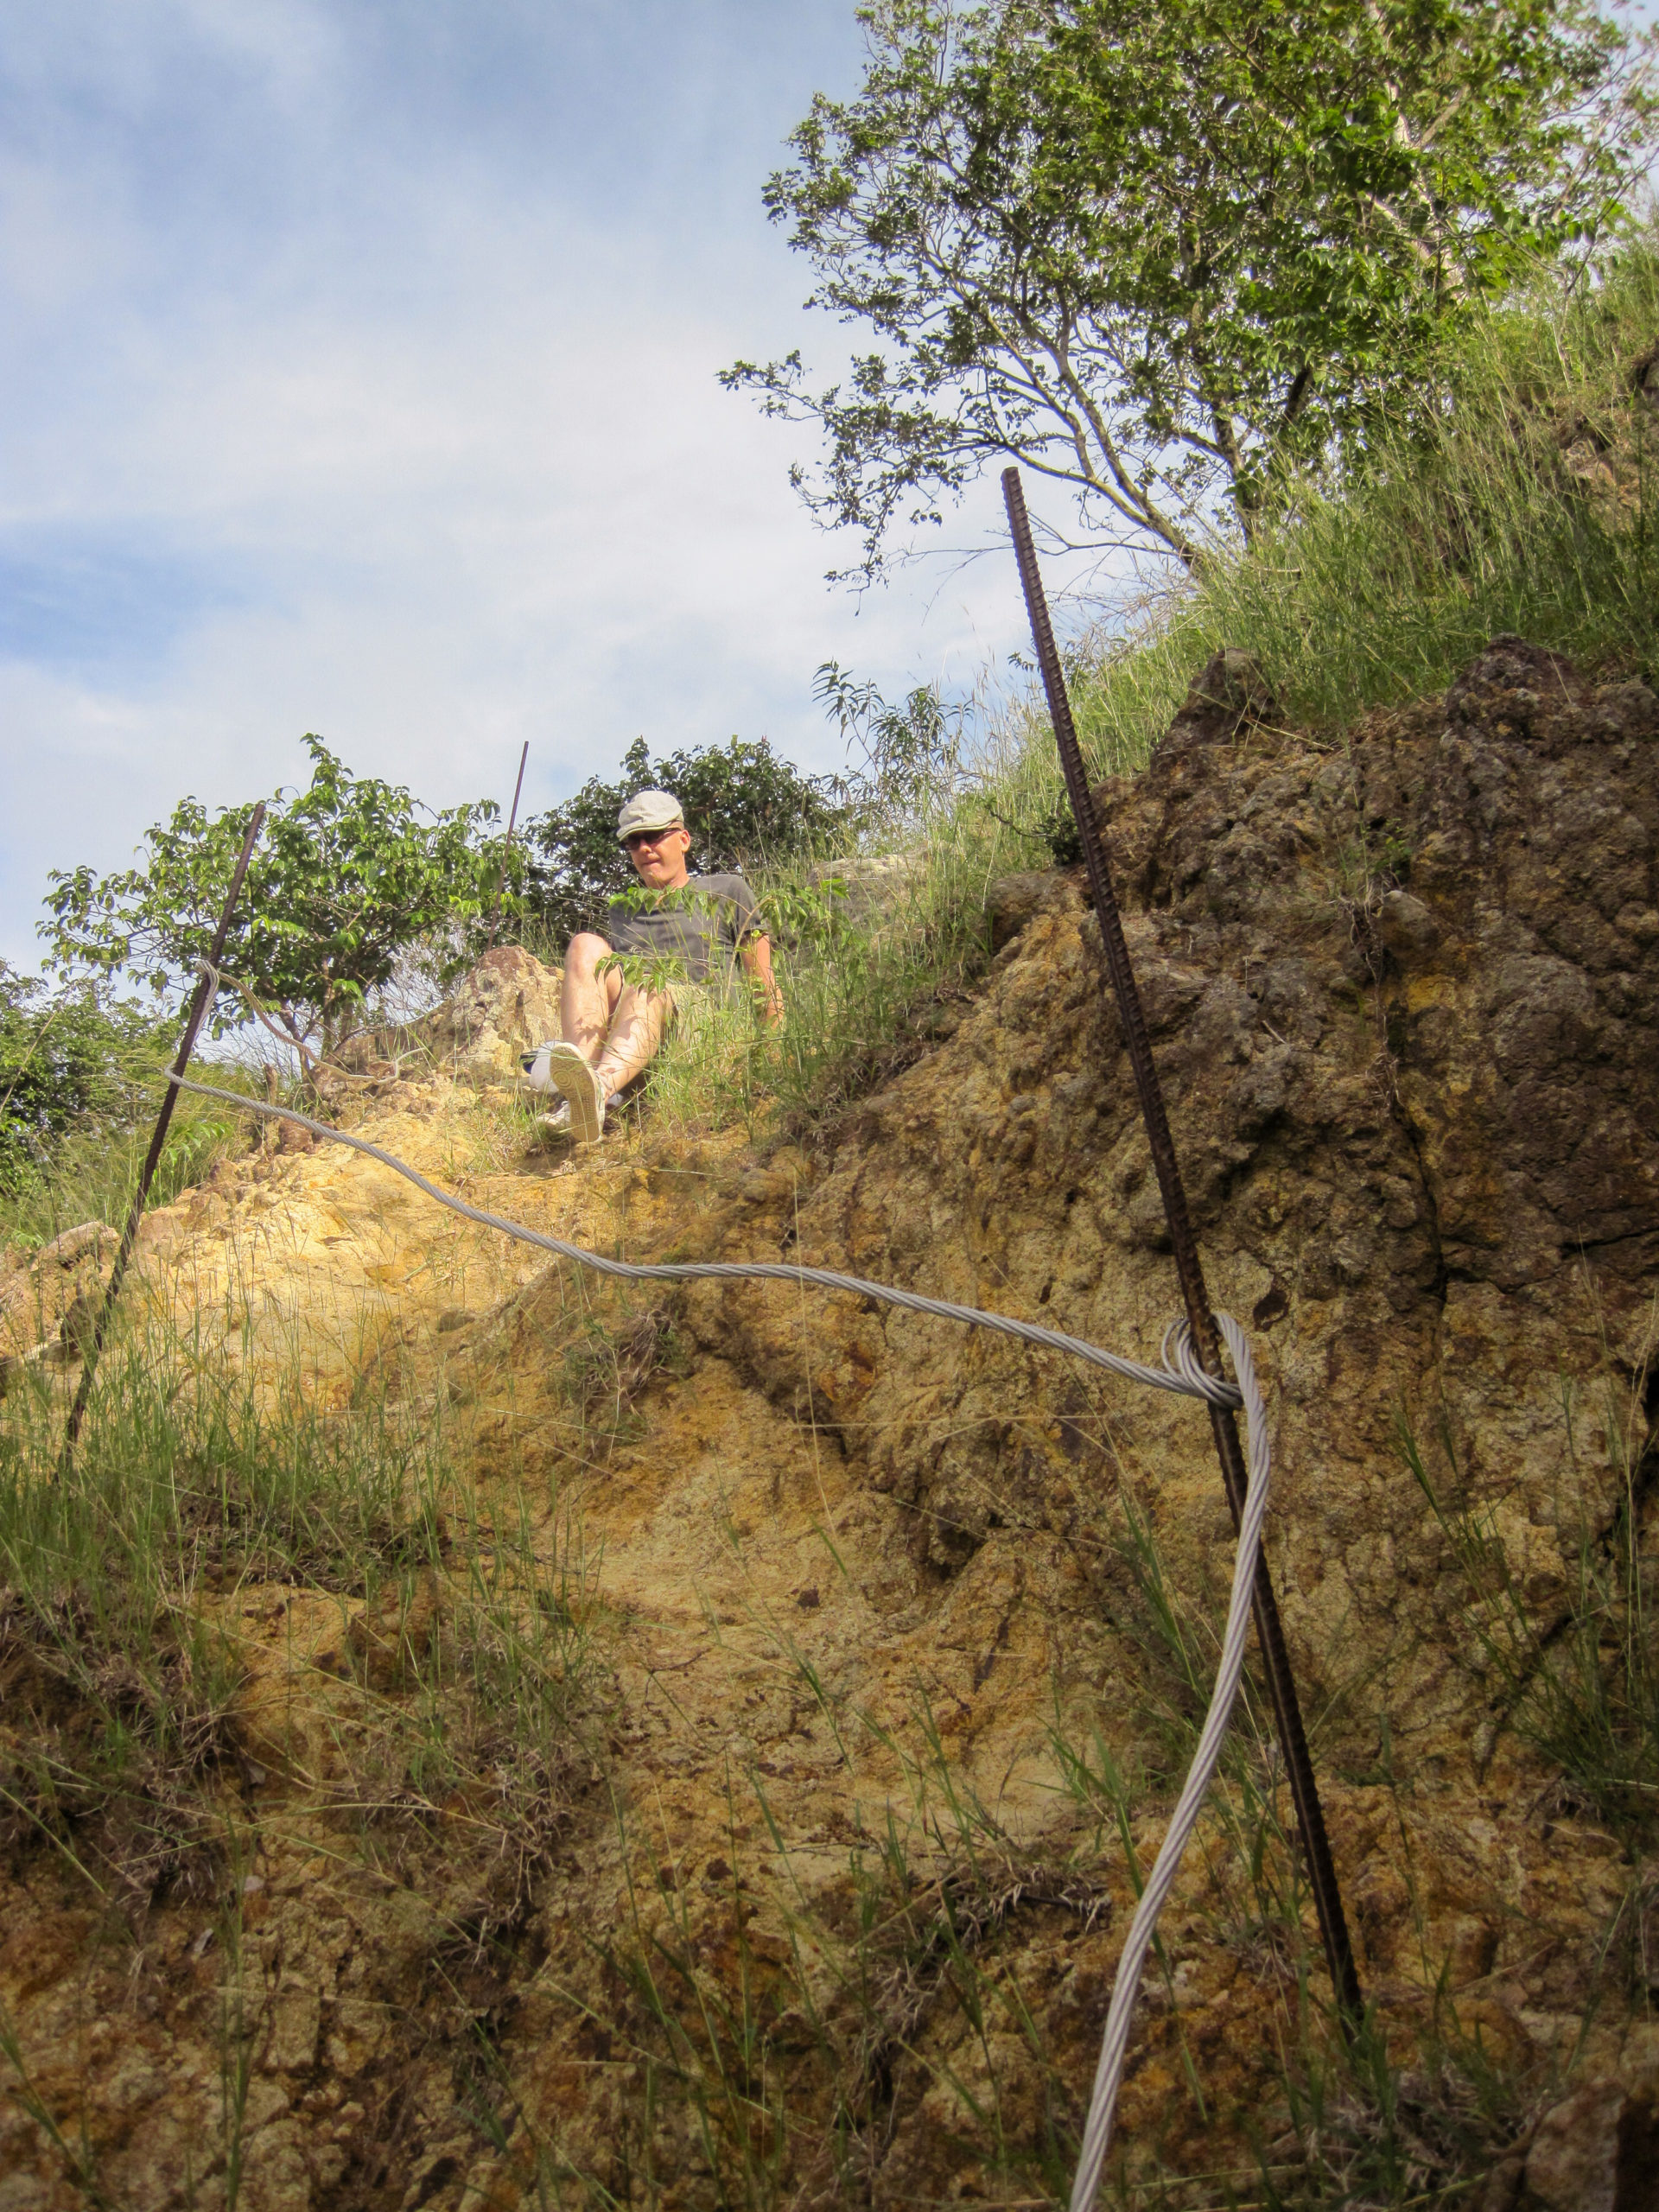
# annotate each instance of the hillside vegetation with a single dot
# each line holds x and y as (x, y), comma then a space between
(469, 1738)
(1521, 498)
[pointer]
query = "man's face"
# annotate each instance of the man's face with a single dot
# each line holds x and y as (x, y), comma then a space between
(658, 857)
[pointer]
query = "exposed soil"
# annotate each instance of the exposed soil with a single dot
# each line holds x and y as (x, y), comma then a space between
(813, 1902)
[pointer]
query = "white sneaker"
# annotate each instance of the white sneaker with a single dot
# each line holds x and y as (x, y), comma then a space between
(562, 1068)
(533, 1067)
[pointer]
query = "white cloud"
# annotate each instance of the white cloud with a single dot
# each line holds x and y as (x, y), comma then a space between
(352, 402)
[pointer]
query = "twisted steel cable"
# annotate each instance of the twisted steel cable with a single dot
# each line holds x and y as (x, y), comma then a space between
(1125, 1986)
(1188, 1381)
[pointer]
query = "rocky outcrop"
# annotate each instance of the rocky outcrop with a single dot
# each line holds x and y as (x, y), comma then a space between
(1597, 2150)
(43, 1297)
(1402, 996)
(869, 890)
(509, 1003)
(1401, 991)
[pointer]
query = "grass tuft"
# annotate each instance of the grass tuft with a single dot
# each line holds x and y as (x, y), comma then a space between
(1574, 1671)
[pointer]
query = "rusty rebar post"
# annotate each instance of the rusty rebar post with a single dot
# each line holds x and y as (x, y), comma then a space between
(207, 986)
(1275, 1658)
(507, 850)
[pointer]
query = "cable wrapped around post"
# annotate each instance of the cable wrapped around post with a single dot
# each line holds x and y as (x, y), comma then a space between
(1189, 1268)
(1126, 1988)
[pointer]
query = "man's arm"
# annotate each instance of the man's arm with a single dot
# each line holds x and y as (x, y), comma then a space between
(755, 953)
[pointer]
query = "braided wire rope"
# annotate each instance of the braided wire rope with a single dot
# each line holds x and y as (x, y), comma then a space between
(1188, 1382)
(1180, 1373)
(1125, 1986)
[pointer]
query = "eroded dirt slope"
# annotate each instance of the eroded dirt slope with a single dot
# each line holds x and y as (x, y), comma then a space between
(831, 1878)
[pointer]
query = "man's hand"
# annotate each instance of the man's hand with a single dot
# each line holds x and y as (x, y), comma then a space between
(755, 953)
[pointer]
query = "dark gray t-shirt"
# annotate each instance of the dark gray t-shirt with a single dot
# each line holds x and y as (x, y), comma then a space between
(702, 925)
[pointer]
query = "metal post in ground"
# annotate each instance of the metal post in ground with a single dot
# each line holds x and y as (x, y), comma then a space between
(506, 849)
(1275, 1657)
(205, 990)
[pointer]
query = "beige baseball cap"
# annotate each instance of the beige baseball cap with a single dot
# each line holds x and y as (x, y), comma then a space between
(649, 810)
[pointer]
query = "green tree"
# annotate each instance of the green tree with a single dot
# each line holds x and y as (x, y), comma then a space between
(349, 874)
(68, 1059)
(743, 804)
(1168, 252)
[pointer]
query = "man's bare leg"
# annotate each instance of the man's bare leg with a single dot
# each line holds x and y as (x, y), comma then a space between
(588, 1001)
(636, 1030)
(613, 1027)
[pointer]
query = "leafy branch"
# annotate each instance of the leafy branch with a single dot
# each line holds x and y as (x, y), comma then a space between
(1172, 254)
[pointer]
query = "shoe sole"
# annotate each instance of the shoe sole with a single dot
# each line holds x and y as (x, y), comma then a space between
(573, 1078)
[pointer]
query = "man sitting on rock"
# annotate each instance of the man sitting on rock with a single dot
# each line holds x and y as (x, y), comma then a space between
(611, 1027)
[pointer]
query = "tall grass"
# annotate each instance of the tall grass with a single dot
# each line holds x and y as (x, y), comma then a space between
(1578, 1678)
(1522, 497)
(462, 1652)
(91, 1171)
(153, 1739)
(186, 1486)
(864, 993)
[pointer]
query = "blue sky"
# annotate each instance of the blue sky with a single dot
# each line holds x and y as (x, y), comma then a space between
(357, 366)
(358, 375)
